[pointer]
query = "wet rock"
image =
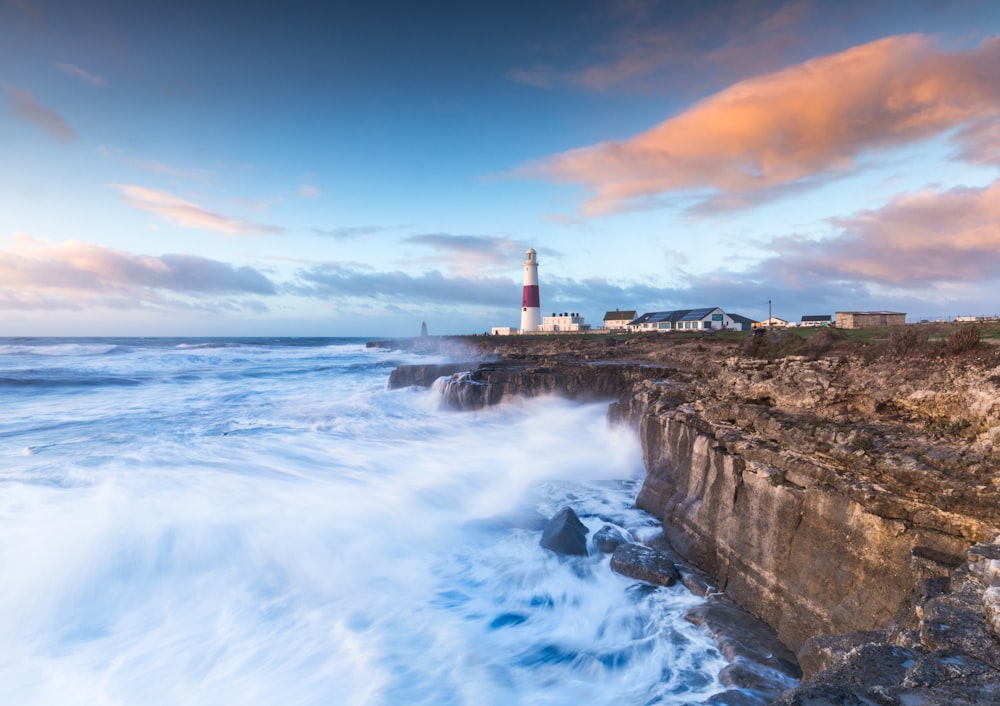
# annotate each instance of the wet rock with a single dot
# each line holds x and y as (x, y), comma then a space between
(735, 697)
(645, 564)
(607, 539)
(424, 375)
(758, 659)
(565, 534)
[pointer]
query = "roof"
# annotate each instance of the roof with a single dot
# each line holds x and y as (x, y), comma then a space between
(618, 315)
(740, 319)
(817, 317)
(655, 317)
(871, 313)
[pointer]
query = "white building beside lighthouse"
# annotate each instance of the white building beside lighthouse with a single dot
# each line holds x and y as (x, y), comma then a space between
(531, 314)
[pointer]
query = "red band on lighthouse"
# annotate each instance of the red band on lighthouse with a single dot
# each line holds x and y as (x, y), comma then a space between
(529, 297)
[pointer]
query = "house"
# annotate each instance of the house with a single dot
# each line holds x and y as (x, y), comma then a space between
(685, 320)
(775, 322)
(618, 319)
(563, 322)
(816, 320)
(870, 319)
(742, 323)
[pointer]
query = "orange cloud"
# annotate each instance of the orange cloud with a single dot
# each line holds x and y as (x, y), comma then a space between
(34, 113)
(187, 214)
(783, 130)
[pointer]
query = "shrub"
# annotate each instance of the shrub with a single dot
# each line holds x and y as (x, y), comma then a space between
(771, 344)
(963, 339)
(909, 339)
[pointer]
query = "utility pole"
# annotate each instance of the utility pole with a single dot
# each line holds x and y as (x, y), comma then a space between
(769, 322)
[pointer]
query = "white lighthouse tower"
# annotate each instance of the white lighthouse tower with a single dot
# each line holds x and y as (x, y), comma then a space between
(531, 314)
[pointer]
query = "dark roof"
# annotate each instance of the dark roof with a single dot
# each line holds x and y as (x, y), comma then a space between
(740, 319)
(615, 315)
(655, 317)
(817, 317)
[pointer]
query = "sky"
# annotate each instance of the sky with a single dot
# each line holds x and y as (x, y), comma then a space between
(345, 169)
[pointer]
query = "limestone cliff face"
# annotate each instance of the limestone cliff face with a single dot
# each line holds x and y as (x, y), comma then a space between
(489, 383)
(816, 493)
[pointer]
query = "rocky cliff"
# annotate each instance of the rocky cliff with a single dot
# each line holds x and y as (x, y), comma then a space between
(822, 492)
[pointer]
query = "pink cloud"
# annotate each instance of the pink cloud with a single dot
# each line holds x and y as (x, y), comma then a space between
(82, 74)
(915, 241)
(784, 129)
(35, 273)
(187, 214)
(34, 113)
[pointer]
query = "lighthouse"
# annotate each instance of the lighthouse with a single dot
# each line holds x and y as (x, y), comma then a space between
(531, 315)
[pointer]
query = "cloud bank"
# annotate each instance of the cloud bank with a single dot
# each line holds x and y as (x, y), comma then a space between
(35, 274)
(785, 130)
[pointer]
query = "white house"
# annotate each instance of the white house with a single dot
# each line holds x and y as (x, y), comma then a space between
(563, 322)
(775, 322)
(816, 320)
(617, 319)
(685, 320)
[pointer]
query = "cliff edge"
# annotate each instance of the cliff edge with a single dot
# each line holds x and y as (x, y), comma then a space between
(833, 491)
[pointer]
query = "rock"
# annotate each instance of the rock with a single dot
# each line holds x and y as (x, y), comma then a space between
(758, 660)
(984, 563)
(822, 652)
(607, 539)
(951, 622)
(424, 375)
(734, 697)
(991, 609)
(565, 534)
(946, 667)
(645, 564)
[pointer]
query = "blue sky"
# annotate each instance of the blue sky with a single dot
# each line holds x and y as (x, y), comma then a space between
(242, 168)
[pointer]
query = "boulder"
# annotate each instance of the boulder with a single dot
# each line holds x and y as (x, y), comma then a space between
(607, 539)
(565, 534)
(645, 564)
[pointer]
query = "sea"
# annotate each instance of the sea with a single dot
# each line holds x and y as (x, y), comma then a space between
(261, 521)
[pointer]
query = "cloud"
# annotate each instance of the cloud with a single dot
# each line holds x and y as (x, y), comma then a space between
(915, 241)
(787, 129)
(430, 288)
(308, 191)
(931, 252)
(82, 74)
(36, 274)
(470, 254)
(154, 166)
(34, 113)
(345, 232)
(654, 47)
(187, 214)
